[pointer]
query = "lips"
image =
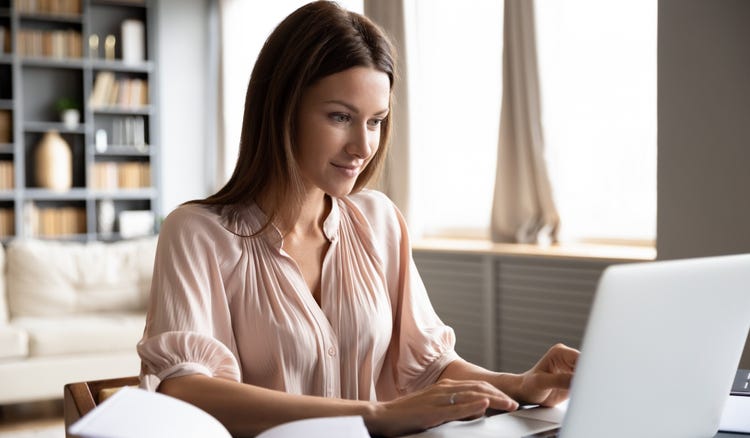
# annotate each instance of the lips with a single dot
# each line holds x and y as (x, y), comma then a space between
(349, 169)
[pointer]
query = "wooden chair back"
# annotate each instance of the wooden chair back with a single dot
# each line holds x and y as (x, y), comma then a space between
(82, 397)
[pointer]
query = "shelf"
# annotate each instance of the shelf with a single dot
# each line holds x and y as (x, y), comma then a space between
(123, 111)
(31, 84)
(72, 63)
(51, 18)
(126, 194)
(65, 237)
(37, 194)
(119, 66)
(124, 151)
(129, 3)
(53, 126)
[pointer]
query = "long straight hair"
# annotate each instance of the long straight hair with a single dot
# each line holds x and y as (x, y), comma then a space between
(315, 41)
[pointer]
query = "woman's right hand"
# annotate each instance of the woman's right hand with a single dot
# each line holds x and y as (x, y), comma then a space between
(441, 402)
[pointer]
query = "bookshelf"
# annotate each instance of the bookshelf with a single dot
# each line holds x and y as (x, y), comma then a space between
(79, 51)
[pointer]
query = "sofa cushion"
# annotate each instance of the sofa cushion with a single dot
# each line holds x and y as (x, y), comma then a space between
(47, 278)
(82, 333)
(14, 342)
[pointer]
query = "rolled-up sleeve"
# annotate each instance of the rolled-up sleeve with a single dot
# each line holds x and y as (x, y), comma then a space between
(188, 328)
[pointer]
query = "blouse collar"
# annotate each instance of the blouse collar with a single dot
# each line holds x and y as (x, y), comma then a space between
(249, 223)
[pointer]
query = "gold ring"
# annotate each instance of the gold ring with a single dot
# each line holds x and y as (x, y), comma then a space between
(452, 400)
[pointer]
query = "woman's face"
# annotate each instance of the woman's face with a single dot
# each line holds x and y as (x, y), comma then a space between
(338, 128)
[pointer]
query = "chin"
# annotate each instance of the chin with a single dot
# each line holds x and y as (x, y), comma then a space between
(340, 192)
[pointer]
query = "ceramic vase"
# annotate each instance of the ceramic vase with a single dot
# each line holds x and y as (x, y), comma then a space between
(54, 163)
(70, 118)
(106, 217)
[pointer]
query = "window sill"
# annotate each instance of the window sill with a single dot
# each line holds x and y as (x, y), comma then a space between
(630, 253)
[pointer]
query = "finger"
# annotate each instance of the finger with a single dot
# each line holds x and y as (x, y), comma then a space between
(555, 398)
(569, 356)
(466, 409)
(500, 402)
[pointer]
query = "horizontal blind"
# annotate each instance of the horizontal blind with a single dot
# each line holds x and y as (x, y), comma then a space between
(541, 302)
(459, 287)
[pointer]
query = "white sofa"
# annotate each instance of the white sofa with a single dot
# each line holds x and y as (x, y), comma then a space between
(70, 312)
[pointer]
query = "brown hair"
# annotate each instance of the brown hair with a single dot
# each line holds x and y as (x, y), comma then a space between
(315, 41)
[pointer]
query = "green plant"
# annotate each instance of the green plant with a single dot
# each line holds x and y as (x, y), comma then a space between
(66, 103)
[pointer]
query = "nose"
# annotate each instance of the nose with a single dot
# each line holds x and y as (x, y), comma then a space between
(361, 141)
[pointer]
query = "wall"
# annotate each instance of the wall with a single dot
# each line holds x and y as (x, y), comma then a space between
(704, 129)
(184, 119)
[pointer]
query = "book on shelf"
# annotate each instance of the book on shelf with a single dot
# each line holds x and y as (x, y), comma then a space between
(109, 175)
(159, 415)
(110, 91)
(4, 40)
(130, 132)
(6, 175)
(52, 7)
(59, 44)
(54, 221)
(6, 126)
(7, 222)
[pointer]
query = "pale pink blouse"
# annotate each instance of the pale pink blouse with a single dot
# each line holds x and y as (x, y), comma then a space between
(238, 307)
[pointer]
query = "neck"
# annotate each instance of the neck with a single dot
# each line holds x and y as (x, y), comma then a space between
(304, 220)
(312, 214)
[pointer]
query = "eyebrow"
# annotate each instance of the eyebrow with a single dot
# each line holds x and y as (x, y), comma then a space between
(353, 108)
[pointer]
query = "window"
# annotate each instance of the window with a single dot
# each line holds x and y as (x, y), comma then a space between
(455, 91)
(597, 69)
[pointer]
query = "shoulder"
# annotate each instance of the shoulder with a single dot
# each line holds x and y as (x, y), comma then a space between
(192, 223)
(378, 210)
(373, 203)
(194, 217)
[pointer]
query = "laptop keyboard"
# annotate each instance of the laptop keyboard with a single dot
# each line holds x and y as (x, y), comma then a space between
(741, 384)
(554, 433)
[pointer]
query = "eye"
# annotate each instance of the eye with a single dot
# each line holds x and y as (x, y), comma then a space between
(374, 123)
(340, 117)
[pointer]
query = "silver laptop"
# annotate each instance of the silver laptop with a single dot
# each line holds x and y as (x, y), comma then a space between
(661, 348)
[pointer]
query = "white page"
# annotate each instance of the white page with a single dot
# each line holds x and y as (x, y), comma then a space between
(326, 427)
(736, 415)
(136, 413)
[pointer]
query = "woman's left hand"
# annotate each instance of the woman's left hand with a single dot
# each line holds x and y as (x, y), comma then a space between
(548, 382)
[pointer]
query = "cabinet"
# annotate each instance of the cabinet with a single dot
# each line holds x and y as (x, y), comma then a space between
(97, 56)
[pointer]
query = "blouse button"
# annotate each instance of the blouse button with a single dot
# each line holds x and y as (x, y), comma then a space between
(331, 351)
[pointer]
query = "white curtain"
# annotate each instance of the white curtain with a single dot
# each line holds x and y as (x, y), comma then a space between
(523, 209)
(394, 182)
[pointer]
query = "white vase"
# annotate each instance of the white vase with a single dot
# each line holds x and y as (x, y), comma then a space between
(106, 216)
(54, 163)
(70, 118)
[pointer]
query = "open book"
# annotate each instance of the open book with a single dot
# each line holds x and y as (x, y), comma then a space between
(137, 413)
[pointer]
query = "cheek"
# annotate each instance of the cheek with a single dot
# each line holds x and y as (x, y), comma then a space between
(375, 141)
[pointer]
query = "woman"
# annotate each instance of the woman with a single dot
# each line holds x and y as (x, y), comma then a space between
(291, 292)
